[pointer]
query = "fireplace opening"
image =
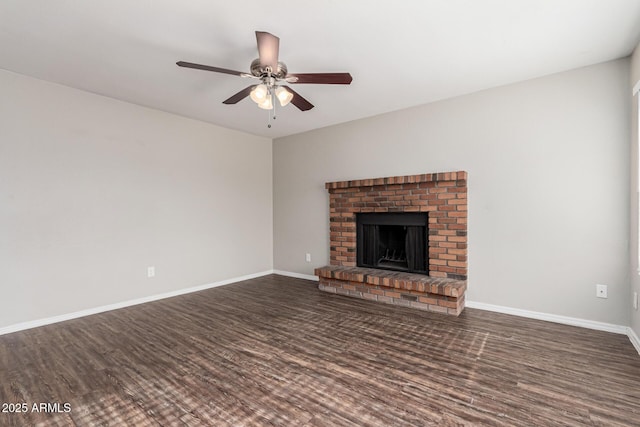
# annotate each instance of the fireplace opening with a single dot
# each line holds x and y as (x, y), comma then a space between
(393, 241)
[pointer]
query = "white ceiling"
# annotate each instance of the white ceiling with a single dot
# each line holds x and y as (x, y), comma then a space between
(400, 53)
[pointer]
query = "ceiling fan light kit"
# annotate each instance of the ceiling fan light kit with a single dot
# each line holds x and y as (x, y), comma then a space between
(284, 96)
(259, 93)
(263, 96)
(272, 74)
(266, 104)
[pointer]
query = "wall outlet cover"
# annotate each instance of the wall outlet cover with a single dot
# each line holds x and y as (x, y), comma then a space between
(601, 291)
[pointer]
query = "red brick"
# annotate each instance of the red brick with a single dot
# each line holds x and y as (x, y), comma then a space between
(428, 300)
(462, 264)
(428, 197)
(428, 184)
(457, 214)
(446, 196)
(448, 304)
(437, 308)
(437, 273)
(448, 245)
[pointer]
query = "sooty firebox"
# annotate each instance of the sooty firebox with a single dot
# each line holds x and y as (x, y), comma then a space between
(393, 241)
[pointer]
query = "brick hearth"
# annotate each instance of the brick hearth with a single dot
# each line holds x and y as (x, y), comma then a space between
(444, 197)
(392, 287)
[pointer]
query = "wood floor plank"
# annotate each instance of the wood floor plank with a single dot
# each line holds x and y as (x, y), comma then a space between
(274, 351)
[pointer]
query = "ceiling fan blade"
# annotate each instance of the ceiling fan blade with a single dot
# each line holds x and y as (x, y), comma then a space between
(208, 68)
(239, 96)
(321, 78)
(299, 101)
(268, 49)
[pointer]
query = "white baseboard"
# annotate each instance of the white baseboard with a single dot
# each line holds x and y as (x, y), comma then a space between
(583, 323)
(589, 324)
(634, 339)
(296, 275)
(63, 317)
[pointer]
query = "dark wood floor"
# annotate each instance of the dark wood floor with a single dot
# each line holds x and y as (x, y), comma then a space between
(276, 351)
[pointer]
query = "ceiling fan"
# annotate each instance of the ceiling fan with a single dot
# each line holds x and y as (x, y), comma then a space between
(271, 75)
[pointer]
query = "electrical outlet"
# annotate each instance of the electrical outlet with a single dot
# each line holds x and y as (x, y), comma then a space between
(601, 291)
(635, 300)
(307, 257)
(151, 271)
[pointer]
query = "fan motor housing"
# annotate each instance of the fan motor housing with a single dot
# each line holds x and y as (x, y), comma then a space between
(259, 71)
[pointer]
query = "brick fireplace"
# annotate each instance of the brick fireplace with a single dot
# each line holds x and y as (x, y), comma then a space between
(443, 198)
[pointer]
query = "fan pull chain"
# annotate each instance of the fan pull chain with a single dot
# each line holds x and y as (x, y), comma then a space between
(269, 111)
(273, 103)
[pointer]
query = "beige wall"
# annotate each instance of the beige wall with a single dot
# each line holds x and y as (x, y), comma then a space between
(93, 190)
(548, 186)
(634, 270)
